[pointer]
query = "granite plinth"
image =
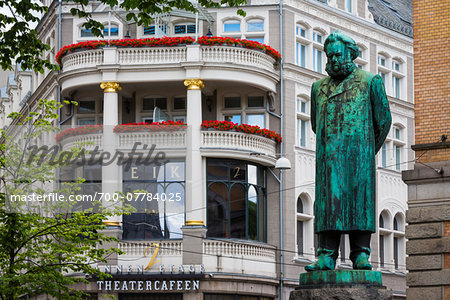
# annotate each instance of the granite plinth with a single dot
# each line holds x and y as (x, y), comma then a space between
(341, 285)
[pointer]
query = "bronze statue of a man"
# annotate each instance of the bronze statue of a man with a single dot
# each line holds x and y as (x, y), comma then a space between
(351, 118)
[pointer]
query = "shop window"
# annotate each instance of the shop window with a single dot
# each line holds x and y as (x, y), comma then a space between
(159, 194)
(236, 200)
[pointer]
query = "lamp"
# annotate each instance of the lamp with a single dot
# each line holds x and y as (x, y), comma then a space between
(283, 164)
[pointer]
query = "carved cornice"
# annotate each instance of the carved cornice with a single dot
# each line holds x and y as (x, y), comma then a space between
(194, 84)
(110, 87)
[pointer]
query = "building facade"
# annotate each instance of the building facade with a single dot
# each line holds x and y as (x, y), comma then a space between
(229, 233)
(428, 217)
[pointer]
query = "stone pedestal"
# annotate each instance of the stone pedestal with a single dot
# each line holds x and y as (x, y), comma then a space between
(341, 285)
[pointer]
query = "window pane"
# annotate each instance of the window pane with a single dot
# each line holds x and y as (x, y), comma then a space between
(148, 104)
(190, 28)
(161, 103)
(349, 6)
(179, 103)
(86, 32)
(86, 107)
(237, 211)
(300, 31)
(232, 102)
(303, 133)
(114, 31)
(83, 122)
(256, 39)
(300, 237)
(381, 251)
(180, 29)
(174, 210)
(232, 27)
(301, 55)
(396, 240)
(317, 60)
(256, 101)
(397, 157)
(233, 118)
(257, 120)
(252, 218)
(149, 30)
(255, 26)
(383, 155)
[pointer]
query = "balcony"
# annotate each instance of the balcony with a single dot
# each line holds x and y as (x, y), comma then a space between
(214, 143)
(87, 66)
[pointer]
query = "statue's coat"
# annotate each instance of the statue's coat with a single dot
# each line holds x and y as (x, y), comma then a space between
(351, 121)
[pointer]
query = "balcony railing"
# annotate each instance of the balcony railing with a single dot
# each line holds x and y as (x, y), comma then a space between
(232, 56)
(174, 139)
(87, 141)
(238, 141)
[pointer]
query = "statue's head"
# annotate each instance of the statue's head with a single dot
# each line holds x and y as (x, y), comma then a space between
(341, 50)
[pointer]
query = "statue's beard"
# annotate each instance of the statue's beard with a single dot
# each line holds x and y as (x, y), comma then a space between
(345, 69)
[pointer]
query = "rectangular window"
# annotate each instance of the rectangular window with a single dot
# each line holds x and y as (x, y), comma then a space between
(255, 26)
(317, 37)
(86, 33)
(300, 31)
(300, 55)
(396, 87)
(152, 102)
(397, 134)
(151, 30)
(382, 61)
(396, 252)
(179, 103)
(86, 107)
(395, 66)
(398, 153)
(83, 122)
(184, 28)
(256, 39)
(232, 27)
(256, 101)
(257, 120)
(232, 102)
(383, 156)
(301, 131)
(114, 31)
(317, 60)
(381, 251)
(349, 6)
(233, 118)
(301, 106)
(300, 237)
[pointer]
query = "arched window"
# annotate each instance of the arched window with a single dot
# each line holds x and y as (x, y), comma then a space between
(304, 226)
(255, 25)
(232, 26)
(301, 45)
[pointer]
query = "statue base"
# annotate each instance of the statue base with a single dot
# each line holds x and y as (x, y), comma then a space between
(341, 285)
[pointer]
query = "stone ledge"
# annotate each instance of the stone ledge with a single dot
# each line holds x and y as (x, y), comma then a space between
(428, 278)
(340, 278)
(341, 293)
(424, 262)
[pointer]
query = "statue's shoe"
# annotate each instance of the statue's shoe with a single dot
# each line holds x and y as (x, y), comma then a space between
(324, 262)
(362, 262)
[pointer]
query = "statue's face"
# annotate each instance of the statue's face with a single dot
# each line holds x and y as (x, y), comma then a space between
(339, 61)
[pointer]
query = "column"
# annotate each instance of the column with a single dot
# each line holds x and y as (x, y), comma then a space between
(195, 204)
(194, 230)
(111, 172)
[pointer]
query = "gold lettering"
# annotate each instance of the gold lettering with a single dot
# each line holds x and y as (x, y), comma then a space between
(152, 260)
(133, 173)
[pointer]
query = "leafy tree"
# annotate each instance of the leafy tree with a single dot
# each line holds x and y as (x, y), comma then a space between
(20, 42)
(40, 243)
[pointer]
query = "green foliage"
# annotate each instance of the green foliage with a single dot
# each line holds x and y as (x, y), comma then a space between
(40, 243)
(20, 43)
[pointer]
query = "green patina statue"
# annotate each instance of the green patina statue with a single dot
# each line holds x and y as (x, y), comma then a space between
(351, 118)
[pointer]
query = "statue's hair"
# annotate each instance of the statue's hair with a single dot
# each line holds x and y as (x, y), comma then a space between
(348, 41)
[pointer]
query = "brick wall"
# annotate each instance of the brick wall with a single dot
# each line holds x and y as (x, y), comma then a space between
(432, 75)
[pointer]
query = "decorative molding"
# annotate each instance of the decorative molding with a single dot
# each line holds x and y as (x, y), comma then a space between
(195, 223)
(194, 84)
(110, 86)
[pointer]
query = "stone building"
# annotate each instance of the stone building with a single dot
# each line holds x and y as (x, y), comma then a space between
(232, 230)
(428, 215)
